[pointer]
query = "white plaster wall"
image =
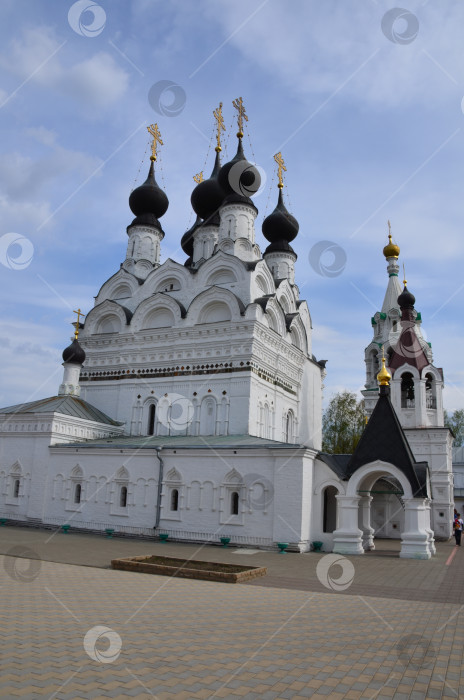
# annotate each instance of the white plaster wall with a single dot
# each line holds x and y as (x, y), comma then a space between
(274, 486)
(310, 422)
(282, 516)
(31, 452)
(26, 439)
(99, 507)
(434, 445)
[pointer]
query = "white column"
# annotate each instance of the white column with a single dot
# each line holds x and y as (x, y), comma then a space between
(347, 538)
(420, 403)
(415, 537)
(365, 522)
(428, 524)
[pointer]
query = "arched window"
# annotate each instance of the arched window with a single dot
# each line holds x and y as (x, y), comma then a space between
(175, 499)
(123, 497)
(289, 427)
(77, 493)
(151, 419)
(374, 363)
(430, 391)
(407, 390)
(109, 324)
(208, 412)
(329, 523)
(234, 503)
(16, 488)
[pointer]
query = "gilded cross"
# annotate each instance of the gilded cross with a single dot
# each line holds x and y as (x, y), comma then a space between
(389, 227)
(155, 132)
(219, 125)
(239, 106)
(199, 177)
(79, 314)
(280, 167)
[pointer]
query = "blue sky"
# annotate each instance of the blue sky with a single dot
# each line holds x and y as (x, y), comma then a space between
(366, 109)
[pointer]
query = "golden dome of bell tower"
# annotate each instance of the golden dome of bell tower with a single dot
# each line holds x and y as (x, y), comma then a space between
(391, 250)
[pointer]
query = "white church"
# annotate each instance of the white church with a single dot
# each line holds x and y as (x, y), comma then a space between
(191, 401)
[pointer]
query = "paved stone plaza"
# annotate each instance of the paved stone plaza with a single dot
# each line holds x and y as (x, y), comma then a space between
(372, 627)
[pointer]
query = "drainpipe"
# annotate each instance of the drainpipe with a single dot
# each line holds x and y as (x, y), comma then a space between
(160, 484)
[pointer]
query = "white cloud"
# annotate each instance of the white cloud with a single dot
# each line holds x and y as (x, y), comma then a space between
(28, 185)
(99, 81)
(23, 178)
(34, 368)
(316, 47)
(45, 136)
(24, 218)
(37, 55)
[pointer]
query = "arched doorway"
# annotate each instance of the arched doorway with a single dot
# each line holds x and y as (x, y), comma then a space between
(355, 532)
(386, 508)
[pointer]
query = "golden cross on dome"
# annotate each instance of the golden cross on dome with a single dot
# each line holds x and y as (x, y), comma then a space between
(76, 324)
(155, 132)
(389, 227)
(404, 275)
(219, 126)
(280, 167)
(199, 177)
(239, 106)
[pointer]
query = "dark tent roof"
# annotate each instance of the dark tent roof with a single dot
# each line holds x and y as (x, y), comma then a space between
(337, 463)
(383, 438)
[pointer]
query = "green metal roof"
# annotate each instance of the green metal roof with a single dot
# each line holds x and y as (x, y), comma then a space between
(183, 442)
(66, 405)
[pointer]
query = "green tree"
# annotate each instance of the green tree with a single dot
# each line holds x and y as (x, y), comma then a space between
(342, 423)
(455, 422)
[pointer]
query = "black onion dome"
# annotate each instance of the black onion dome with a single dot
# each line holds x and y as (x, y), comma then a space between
(149, 198)
(208, 195)
(213, 220)
(235, 198)
(186, 242)
(74, 353)
(406, 300)
(146, 220)
(239, 176)
(279, 247)
(280, 225)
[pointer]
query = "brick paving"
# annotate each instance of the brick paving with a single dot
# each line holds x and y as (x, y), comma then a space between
(395, 631)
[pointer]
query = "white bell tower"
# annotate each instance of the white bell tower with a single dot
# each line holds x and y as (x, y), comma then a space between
(416, 388)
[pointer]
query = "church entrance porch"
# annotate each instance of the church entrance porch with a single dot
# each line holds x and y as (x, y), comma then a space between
(359, 521)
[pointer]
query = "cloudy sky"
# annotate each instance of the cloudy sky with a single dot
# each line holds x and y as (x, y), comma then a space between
(364, 101)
